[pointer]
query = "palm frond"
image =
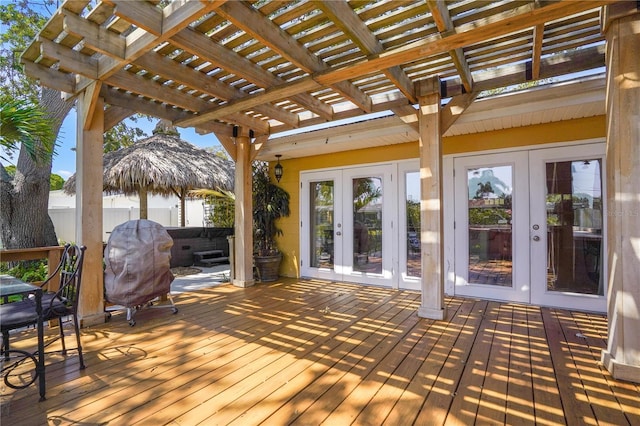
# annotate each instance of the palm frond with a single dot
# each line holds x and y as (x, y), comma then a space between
(24, 123)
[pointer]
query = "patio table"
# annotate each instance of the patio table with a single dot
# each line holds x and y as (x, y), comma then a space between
(10, 286)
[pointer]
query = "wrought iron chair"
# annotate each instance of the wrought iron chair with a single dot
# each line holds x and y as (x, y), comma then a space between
(57, 304)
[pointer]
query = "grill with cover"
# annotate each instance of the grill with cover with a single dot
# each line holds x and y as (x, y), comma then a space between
(137, 266)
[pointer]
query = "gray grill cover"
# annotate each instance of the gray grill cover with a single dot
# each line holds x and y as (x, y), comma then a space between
(137, 259)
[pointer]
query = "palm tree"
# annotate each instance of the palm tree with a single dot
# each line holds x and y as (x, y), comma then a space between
(24, 123)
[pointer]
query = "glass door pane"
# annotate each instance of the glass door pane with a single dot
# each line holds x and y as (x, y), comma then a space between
(490, 225)
(322, 224)
(574, 226)
(367, 224)
(412, 208)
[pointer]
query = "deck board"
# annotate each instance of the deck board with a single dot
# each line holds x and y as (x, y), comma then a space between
(313, 352)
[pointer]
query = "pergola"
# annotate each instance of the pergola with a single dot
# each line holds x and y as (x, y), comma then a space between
(247, 70)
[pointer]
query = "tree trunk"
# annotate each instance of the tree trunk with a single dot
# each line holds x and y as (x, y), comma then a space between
(24, 200)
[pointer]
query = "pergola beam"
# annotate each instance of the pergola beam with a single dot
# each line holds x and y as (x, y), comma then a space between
(143, 15)
(50, 78)
(486, 29)
(115, 114)
(536, 55)
(443, 21)
(176, 16)
(454, 110)
(270, 95)
(205, 48)
(251, 20)
(137, 104)
(183, 74)
(348, 21)
(95, 36)
(70, 60)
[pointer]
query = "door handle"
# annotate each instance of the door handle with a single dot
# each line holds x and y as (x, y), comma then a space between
(338, 233)
(536, 238)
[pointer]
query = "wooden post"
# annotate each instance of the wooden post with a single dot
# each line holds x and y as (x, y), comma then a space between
(243, 243)
(430, 143)
(90, 128)
(622, 30)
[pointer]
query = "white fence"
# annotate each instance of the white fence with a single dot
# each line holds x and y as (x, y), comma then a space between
(64, 220)
(118, 209)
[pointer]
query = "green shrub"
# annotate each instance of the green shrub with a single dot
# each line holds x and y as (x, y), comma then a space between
(29, 271)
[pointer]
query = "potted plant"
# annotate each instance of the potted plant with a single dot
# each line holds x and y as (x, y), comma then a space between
(270, 203)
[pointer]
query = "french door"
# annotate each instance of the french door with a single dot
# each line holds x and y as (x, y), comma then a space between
(350, 229)
(529, 227)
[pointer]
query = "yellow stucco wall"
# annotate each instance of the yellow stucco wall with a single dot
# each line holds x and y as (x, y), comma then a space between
(564, 131)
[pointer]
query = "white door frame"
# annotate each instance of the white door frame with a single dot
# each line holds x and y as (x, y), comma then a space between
(306, 178)
(394, 271)
(537, 155)
(389, 217)
(539, 294)
(343, 269)
(518, 291)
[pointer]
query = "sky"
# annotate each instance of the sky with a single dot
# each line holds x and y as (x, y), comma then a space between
(64, 162)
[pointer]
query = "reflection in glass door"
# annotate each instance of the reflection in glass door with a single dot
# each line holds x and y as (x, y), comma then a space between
(574, 226)
(409, 250)
(413, 263)
(368, 233)
(490, 225)
(322, 223)
(367, 224)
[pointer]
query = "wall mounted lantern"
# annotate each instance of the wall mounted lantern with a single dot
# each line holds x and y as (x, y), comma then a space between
(278, 170)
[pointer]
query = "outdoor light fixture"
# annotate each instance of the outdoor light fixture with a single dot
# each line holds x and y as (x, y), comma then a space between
(278, 170)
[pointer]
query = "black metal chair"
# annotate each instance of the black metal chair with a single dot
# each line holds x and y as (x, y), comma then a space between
(58, 304)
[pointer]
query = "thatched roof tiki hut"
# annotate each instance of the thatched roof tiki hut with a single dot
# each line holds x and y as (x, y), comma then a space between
(162, 164)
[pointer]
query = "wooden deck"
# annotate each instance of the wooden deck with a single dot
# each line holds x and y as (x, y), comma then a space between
(311, 352)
